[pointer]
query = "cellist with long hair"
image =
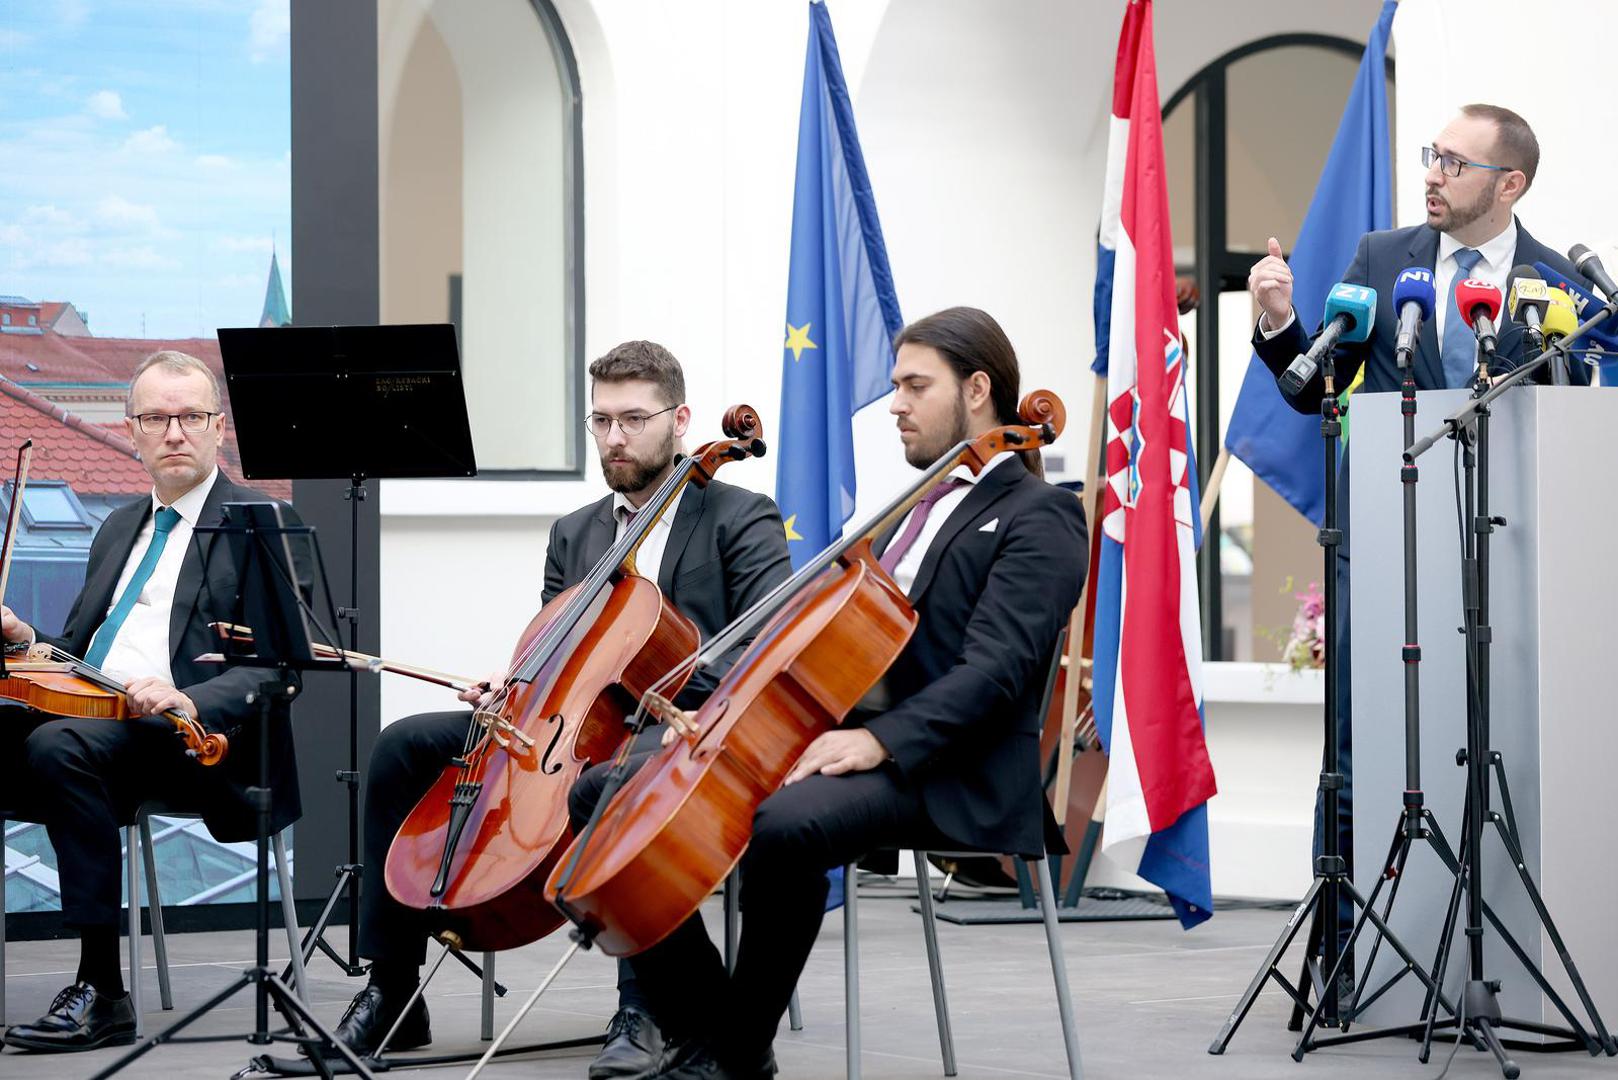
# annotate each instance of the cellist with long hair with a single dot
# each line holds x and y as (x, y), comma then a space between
(991, 559)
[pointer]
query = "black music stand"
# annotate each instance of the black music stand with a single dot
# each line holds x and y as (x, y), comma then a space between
(272, 587)
(394, 393)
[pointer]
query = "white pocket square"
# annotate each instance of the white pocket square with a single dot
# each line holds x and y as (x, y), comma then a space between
(989, 526)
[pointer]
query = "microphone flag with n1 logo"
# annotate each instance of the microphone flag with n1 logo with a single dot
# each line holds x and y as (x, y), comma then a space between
(1354, 197)
(1148, 634)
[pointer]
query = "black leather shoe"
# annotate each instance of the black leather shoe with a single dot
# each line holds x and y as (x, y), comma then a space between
(81, 1018)
(695, 1060)
(634, 1047)
(372, 1013)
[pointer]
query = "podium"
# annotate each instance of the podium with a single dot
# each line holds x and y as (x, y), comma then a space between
(1554, 586)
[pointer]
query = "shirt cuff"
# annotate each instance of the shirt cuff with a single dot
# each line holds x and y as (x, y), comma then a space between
(1263, 325)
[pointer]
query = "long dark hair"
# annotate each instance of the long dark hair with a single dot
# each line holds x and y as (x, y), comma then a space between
(970, 340)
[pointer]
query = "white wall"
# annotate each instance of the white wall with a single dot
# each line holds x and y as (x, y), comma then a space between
(983, 126)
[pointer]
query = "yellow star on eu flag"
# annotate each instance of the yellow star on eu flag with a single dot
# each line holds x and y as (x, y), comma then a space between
(792, 533)
(798, 340)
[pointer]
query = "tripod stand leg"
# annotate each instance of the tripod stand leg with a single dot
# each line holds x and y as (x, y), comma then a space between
(1266, 970)
(533, 999)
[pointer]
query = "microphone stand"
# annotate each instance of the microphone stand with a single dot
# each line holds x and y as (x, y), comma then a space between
(1331, 877)
(1481, 1020)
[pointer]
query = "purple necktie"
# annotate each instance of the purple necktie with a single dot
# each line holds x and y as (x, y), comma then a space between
(918, 518)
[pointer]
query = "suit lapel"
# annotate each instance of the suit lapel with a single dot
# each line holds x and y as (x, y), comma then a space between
(692, 502)
(598, 537)
(1429, 361)
(188, 586)
(984, 494)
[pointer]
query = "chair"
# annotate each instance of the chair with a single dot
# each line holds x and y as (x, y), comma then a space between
(946, 1039)
(138, 837)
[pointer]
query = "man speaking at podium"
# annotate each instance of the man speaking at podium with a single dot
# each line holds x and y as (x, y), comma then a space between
(1478, 168)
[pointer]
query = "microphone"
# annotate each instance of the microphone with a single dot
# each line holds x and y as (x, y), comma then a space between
(1413, 299)
(1350, 313)
(1479, 302)
(1588, 263)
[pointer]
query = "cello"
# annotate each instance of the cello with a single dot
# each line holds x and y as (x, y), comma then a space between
(658, 847)
(477, 848)
(50, 680)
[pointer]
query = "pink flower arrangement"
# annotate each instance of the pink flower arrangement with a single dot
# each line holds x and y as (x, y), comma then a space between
(1306, 648)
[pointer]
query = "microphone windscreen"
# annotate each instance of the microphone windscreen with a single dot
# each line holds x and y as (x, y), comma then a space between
(1358, 303)
(1472, 294)
(1414, 283)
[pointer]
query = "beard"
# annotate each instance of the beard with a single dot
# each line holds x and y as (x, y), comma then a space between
(638, 472)
(924, 451)
(1454, 217)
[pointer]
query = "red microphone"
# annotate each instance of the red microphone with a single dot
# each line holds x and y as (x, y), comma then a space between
(1480, 303)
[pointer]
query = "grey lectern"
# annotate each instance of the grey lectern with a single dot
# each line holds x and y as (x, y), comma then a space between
(1554, 587)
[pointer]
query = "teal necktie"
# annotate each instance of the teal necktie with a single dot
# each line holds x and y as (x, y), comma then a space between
(1460, 346)
(162, 524)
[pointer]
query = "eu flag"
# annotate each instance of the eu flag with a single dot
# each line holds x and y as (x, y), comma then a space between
(1354, 197)
(842, 314)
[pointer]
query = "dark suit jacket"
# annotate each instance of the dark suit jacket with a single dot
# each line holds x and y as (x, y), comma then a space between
(220, 791)
(726, 549)
(995, 589)
(1377, 263)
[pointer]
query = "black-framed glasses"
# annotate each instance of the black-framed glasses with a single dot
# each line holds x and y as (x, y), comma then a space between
(1450, 165)
(631, 424)
(156, 423)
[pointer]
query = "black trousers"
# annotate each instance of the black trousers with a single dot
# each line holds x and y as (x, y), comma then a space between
(83, 780)
(408, 758)
(799, 833)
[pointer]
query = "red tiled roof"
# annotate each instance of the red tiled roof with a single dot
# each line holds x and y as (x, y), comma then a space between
(91, 459)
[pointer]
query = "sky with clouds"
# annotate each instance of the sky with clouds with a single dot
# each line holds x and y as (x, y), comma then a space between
(145, 159)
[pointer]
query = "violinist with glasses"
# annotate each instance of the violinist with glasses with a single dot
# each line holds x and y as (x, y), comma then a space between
(139, 621)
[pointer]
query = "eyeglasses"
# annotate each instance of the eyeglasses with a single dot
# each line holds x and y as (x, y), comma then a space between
(156, 423)
(1450, 165)
(600, 424)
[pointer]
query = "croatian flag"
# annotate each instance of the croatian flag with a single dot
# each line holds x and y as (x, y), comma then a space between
(1148, 651)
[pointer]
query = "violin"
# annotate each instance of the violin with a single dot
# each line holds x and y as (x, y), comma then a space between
(824, 637)
(47, 679)
(477, 848)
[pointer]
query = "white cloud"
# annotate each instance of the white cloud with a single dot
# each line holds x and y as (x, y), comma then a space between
(238, 244)
(268, 28)
(107, 105)
(117, 210)
(152, 140)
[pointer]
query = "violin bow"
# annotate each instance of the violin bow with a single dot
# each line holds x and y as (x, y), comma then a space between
(19, 484)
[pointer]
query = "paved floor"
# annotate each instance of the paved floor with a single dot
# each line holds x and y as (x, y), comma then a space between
(1149, 998)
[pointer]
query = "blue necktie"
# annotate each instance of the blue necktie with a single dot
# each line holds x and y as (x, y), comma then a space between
(162, 524)
(1460, 347)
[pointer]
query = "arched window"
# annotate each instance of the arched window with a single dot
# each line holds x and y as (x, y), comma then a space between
(480, 206)
(1246, 139)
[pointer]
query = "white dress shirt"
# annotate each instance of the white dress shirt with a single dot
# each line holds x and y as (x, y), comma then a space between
(905, 573)
(1498, 256)
(649, 559)
(142, 647)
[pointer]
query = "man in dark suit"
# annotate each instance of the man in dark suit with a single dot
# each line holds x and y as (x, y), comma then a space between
(142, 617)
(993, 565)
(1479, 166)
(717, 551)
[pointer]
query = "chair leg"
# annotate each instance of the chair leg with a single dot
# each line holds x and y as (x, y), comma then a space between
(132, 866)
(154, 908)
(1053, 938)
(488, 997)
(935, 963)
(289, 916)
(851, 971)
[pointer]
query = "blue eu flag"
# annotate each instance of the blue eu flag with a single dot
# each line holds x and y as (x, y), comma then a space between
(842, 314)
(1354, 197)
